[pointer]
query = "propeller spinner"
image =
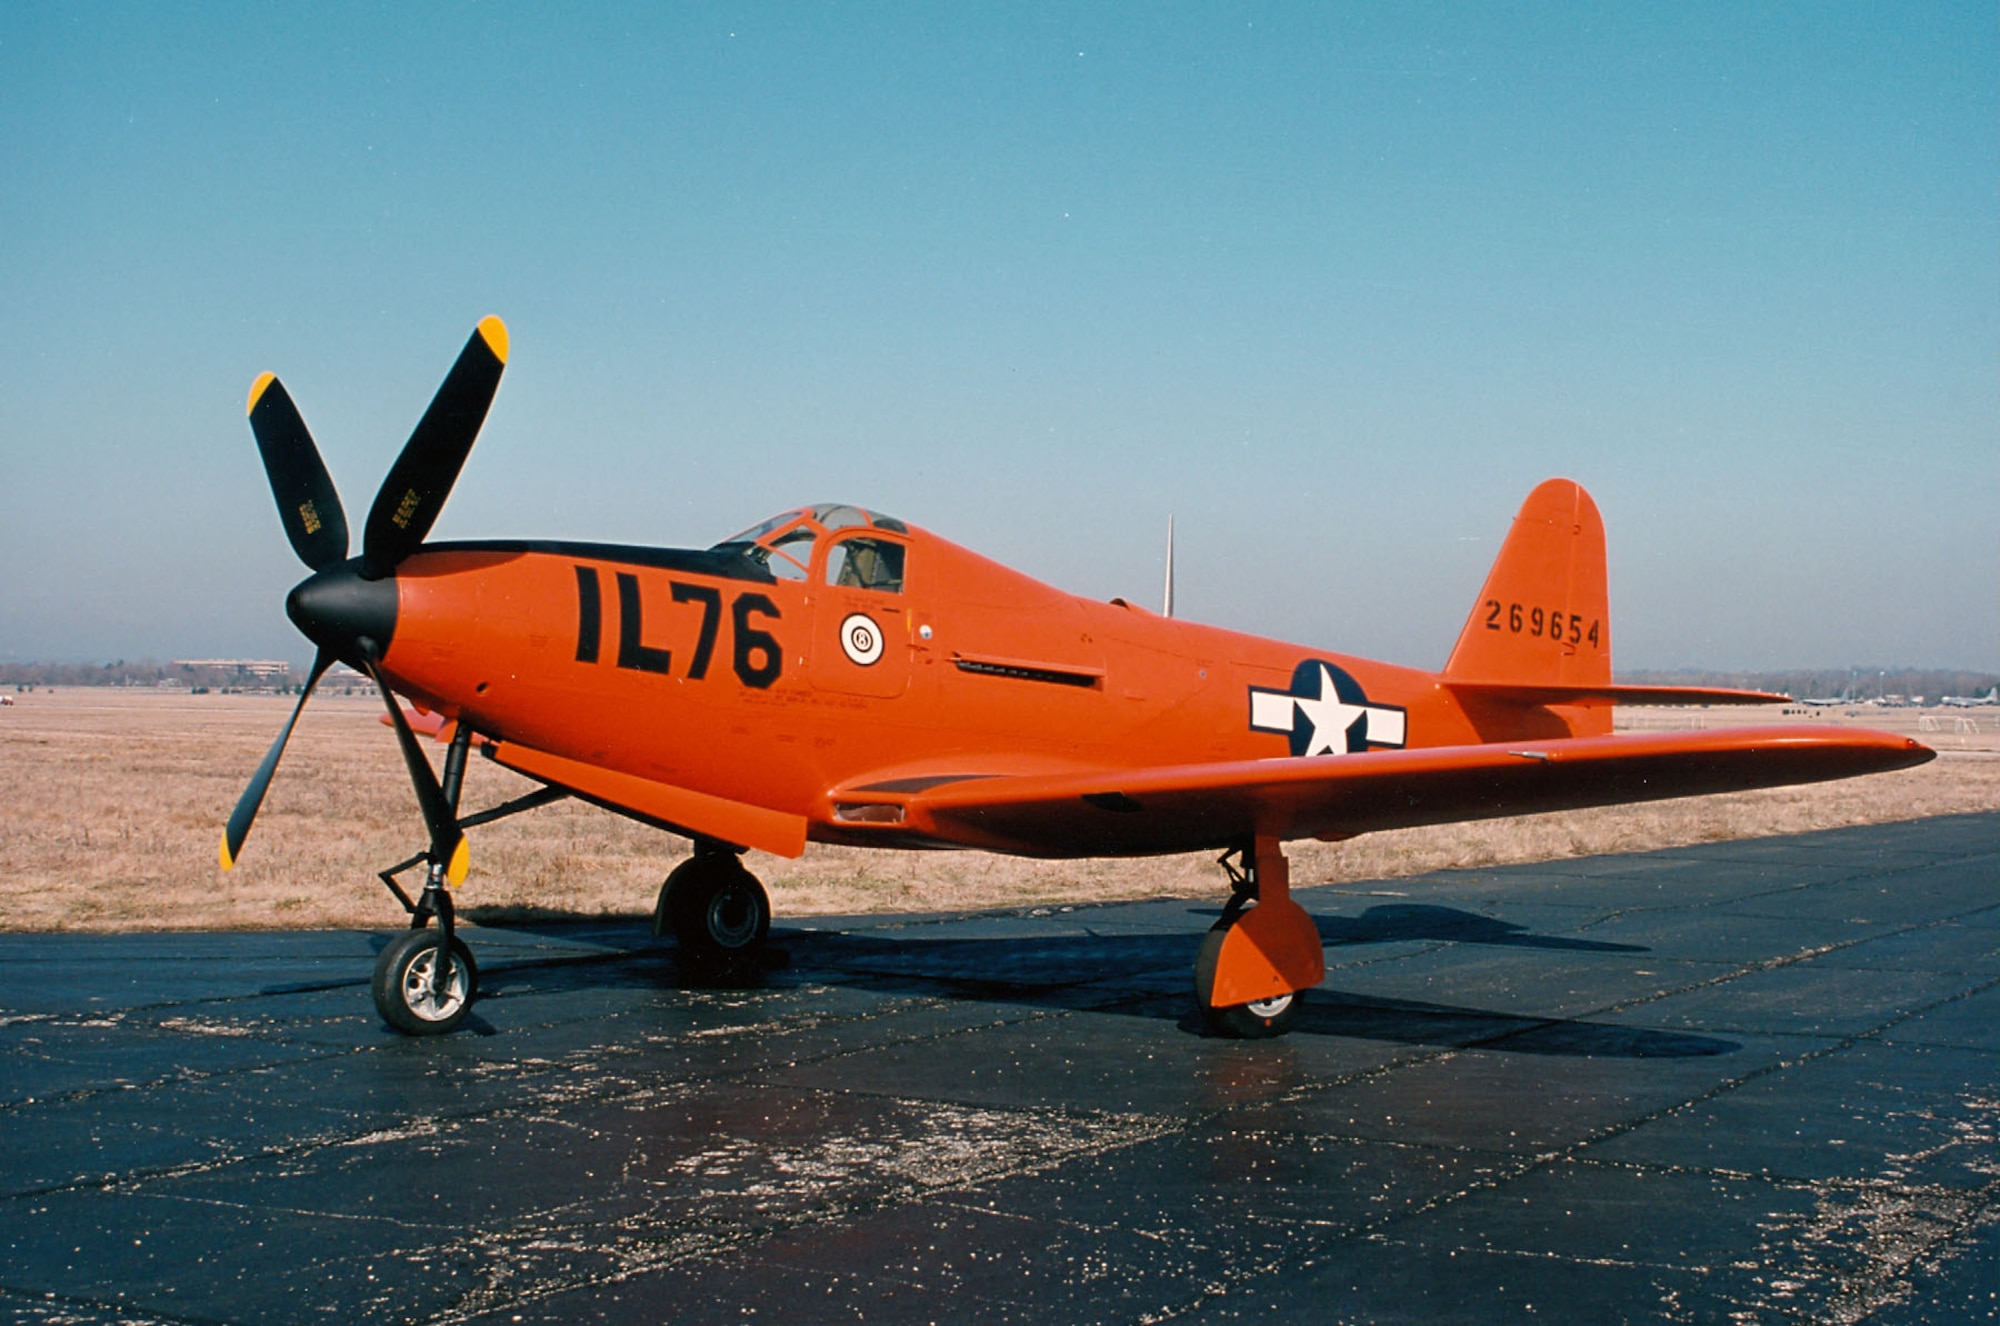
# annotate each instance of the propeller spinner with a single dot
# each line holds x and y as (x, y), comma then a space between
(347, 607)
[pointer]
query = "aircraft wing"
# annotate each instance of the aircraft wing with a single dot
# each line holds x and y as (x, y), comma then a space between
(1191, 807)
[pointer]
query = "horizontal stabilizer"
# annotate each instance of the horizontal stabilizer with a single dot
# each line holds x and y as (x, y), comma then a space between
(1516, 693)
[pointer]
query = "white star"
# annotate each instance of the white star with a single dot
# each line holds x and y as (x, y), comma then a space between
(1330, 717)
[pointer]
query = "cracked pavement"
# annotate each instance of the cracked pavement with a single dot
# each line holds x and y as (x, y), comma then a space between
(1748, 1081)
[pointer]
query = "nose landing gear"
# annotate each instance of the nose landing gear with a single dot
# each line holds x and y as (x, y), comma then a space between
(425, 981)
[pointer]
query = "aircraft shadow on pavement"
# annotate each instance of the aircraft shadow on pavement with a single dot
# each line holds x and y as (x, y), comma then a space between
(1142, 975)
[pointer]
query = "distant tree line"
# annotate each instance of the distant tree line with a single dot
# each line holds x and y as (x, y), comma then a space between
(143, 672)
(1814, 683)
(1832, 683)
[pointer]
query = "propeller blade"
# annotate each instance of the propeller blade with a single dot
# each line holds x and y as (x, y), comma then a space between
(240, 819)
(447, 839)
(308, 505)
(420, 480)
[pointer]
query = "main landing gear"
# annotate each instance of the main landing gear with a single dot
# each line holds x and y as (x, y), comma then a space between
(1256, 962)
(717, 910)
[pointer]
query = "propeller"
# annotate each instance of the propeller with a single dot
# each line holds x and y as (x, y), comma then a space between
(347, 607)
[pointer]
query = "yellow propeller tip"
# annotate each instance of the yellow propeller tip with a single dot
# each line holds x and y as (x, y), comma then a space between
(494, 333)
(257, 390)
(228, 861)
(461, 862)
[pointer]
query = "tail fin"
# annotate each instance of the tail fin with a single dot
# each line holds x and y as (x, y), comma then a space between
(1543, 618)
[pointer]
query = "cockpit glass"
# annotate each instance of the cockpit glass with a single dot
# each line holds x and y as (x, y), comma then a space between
(865, 563)
(821, 518)
(789, 554)
(840, 517)
(763, 527)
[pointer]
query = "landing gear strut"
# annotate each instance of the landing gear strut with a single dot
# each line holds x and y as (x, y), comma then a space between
(715, 908)
(425, 981)
(1265, 951)
(415, 991)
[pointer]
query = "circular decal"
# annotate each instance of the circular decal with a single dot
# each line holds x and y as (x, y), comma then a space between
(861, 638)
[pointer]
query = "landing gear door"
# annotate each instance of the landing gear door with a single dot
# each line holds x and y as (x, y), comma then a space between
(861, 634)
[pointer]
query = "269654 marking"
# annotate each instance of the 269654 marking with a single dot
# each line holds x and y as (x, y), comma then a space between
(1543, 623)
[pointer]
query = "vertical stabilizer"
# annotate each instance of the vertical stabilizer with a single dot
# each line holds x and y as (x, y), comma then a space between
(1543, 618)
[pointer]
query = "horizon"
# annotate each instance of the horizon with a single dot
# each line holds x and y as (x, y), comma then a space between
(302, 666)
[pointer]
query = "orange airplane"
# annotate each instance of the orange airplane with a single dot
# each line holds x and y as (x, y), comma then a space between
(836, 675)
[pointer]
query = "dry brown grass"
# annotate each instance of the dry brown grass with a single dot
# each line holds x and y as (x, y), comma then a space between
(111, 803)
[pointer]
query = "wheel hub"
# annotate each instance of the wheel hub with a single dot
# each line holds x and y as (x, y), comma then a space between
(422, 1000)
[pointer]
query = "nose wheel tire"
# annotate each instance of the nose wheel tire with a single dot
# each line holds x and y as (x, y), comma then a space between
(715, 908)
(407, 993)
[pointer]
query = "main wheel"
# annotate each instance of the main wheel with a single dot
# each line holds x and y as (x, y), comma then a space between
(402, 985)
(1258, 1020)
(715, 907)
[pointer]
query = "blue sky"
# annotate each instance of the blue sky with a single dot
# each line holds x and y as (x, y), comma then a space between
(1334, 285)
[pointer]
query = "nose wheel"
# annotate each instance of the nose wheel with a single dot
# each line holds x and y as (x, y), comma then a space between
(419, 990)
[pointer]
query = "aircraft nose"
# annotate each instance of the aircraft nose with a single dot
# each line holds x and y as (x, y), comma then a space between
(337, 609)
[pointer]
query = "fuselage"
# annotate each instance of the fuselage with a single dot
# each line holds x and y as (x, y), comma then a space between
(874, 659)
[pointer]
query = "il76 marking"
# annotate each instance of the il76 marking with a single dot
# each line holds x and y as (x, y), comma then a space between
(755, 654)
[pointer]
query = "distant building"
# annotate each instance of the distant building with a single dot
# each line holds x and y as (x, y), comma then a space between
(343, 680)
(264, 669)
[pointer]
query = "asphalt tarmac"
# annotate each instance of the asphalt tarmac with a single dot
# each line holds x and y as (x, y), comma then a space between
(1750, 1081)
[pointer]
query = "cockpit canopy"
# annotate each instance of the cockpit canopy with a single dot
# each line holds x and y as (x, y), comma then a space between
(783, 546)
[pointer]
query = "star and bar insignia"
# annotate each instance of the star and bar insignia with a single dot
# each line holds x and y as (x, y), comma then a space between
(1325, 713)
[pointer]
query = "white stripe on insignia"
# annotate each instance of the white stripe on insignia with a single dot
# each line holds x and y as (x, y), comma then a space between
(1271, 711)
(1385, 726)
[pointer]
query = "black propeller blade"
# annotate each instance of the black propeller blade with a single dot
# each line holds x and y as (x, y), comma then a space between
(420, 480)
(307, 503)
(448, 847)
(345, 616)
(240, 819)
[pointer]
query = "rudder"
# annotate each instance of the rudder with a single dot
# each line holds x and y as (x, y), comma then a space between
(1543, 617)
